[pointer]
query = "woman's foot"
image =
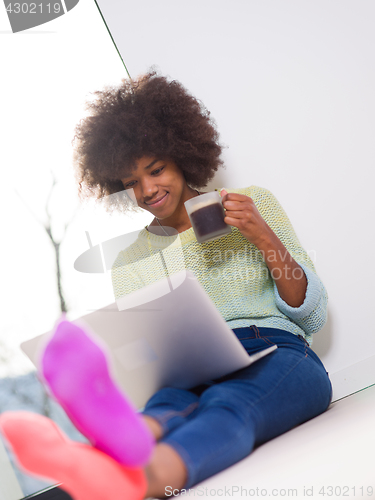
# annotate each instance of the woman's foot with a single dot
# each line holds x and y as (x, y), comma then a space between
(86, 473)
(76, 369)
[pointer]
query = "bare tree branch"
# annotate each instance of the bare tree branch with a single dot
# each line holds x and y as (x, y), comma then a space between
(28, 207)
(55, 243)
(54, 182)
(4, 353)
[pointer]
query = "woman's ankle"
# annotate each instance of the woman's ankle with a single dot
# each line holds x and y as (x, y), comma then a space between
(154, 426)
(165, 470)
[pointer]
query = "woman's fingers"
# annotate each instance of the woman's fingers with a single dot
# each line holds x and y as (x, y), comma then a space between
(233, 201)
(238, 214)
(242, 213)
(231, 221)
(235, 196)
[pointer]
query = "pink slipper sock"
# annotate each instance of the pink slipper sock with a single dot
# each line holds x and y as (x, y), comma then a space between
(76, 369)
(42, 449)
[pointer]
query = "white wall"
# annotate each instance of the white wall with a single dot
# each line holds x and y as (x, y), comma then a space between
(291, 86)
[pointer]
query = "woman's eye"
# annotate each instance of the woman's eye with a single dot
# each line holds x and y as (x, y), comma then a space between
(129, 185)
(157, 171)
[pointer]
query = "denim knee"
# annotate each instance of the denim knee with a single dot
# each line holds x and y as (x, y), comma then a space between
(171, 407)
(228, 396)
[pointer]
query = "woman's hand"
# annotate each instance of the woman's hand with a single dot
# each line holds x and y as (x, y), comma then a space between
(242, 213)
(288, 275)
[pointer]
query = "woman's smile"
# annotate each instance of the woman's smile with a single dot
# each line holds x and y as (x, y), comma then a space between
(158, 202)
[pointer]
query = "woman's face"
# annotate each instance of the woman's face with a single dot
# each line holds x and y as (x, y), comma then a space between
(159, 187)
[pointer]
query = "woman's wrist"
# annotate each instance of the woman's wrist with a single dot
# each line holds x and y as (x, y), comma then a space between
(287, 274)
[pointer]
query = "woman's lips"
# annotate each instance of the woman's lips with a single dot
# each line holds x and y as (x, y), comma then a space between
(158, 202)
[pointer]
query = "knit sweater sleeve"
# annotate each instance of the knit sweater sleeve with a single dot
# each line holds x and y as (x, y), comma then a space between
(312, 314)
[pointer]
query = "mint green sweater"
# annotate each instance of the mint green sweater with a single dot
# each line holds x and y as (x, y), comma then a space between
(231, 270)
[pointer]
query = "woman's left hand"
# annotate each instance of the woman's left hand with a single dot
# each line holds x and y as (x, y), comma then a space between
(242, 213)
(288, 275)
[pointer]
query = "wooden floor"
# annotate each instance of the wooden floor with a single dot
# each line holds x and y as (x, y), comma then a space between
(331, 456)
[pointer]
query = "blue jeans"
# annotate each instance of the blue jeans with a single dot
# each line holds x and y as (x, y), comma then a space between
(215, 425)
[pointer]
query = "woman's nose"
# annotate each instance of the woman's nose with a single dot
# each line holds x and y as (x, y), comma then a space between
(149, 188)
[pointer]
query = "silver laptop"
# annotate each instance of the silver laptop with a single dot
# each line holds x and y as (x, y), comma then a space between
(167, 334)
